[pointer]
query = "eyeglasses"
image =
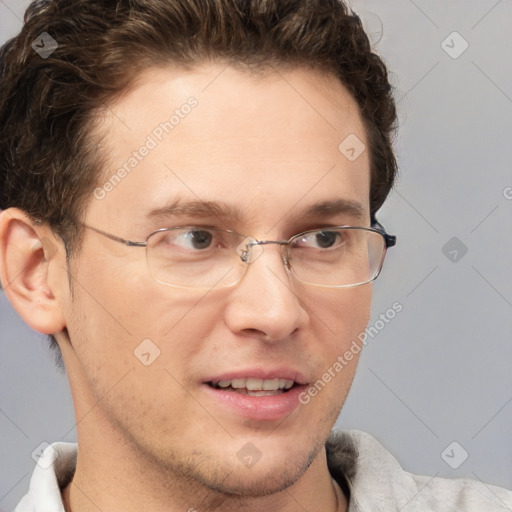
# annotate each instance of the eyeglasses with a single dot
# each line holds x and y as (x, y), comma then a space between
(201, 257)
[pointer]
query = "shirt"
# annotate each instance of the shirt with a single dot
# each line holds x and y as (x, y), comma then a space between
(370, 476)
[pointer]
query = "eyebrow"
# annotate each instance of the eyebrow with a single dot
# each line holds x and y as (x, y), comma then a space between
(225, 211)
(336, 207)
(217, 209)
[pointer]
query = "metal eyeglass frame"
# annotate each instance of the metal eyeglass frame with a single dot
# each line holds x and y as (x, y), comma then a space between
(245, 255)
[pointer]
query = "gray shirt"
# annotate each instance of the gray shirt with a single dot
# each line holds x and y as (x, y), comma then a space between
(364, 469)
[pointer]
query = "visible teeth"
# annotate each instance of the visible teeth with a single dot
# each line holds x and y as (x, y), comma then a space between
(270, 384)
(238, 383)
(253, 384)
(272, 392)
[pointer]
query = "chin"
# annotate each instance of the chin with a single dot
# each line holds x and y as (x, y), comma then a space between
(269, 478)
(269, 475)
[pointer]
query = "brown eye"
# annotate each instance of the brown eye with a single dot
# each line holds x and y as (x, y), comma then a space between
(326, 239)
(188, 239)
(199, 239)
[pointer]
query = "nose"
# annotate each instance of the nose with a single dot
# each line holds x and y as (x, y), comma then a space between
(265, 302)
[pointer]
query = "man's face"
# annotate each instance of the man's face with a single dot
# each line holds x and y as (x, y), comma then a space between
(266, 147)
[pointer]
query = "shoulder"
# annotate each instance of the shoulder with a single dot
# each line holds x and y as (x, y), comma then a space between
(377, 481)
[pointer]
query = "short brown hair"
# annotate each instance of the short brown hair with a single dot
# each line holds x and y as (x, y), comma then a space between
(49, 164)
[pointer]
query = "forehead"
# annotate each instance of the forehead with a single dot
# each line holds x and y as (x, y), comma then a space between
(267, 144)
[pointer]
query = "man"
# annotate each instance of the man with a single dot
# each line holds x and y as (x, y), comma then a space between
(190, 205)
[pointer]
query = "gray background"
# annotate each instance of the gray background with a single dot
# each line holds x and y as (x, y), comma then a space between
(439, 372)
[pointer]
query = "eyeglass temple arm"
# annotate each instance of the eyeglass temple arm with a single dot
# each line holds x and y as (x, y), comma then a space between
(389, 239)
(129, 243)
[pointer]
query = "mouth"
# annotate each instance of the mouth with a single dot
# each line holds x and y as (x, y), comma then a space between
(253, 386)
(257, 395)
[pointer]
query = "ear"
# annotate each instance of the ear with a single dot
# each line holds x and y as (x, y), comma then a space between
(27, 251)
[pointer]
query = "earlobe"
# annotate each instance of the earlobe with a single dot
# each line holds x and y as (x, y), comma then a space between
(26, 253)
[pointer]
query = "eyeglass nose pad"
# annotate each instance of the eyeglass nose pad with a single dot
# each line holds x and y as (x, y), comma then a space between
(249, 250)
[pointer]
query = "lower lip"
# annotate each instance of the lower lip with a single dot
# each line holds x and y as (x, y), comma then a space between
(260, 408)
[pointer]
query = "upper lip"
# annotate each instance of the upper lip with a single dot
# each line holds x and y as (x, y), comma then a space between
(261, 373)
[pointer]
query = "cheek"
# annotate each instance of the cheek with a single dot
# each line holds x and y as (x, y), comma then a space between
(140, 356)
(123, 301)
(344, 312)
(119, 322)
(341, 315)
